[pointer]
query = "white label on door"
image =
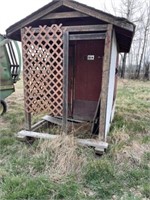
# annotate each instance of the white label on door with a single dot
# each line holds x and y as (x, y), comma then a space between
(90, 57)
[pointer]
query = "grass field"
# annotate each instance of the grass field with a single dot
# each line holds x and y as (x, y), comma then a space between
(62, 170)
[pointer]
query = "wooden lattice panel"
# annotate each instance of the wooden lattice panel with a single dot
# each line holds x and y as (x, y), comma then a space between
(43, 69)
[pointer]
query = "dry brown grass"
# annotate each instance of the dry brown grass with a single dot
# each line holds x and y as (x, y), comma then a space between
(127, 151)
(3, 123)
(133, 153)
(67, 157)
(119, 135)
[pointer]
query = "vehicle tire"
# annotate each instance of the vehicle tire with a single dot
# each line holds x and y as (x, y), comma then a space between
(3, 107)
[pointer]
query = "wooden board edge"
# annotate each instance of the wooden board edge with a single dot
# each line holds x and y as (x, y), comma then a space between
(97, 144)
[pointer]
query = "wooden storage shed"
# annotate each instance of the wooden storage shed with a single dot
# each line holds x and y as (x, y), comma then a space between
(70, 55)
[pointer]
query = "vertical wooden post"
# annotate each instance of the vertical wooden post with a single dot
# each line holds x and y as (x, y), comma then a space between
(65, 79)
(105, 82)
(27, 125)
(27, 121)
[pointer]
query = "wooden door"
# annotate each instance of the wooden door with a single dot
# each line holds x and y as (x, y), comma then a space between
(87, 78)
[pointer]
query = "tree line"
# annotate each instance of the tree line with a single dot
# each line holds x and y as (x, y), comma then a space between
(135, 64)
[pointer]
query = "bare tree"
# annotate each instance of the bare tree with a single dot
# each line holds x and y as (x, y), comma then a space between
(138, 12)
(129, 10)
(145, 27)
(147, 71)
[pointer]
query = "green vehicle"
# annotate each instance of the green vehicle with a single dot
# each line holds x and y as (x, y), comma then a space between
(10, 67)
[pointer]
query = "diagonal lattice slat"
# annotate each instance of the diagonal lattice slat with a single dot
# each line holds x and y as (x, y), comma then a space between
(43, 69)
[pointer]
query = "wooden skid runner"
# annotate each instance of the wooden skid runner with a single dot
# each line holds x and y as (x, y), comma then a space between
(98, 145)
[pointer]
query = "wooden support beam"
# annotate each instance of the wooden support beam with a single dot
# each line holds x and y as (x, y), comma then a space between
(53, 120)
(92, 143)
(92, 36)
(38, 125)
(58, 120)
(72, 120)
(34, 134)
(83, 142)
(80, 28)
(65, 79)
(86, 28)
(105, 82)
(28, 121)
(64, 15)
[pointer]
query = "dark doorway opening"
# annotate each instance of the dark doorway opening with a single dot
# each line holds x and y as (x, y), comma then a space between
(85, 77)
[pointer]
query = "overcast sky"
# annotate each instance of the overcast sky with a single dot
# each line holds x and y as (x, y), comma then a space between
(14, 10)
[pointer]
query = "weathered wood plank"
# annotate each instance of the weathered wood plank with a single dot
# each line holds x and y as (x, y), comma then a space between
(72, 120)
(38, 125)
(80, 28)
(105, 82)
(56, 120)
(99, 151)
(83, 142)
(92, 36)
(65, 79)
(92, 143)
(36, 135)
(86, 28)
(62, 15)
(53, 120)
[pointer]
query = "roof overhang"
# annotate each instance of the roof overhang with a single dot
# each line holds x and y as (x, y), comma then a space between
(124, 28)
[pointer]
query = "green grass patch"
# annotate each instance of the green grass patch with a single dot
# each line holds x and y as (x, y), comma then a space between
(102, 178)
(146, 190)
(26, 171)
(22, 187)
(34, 188)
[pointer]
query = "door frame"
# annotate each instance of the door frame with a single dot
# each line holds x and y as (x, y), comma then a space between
(84, 103)
(68, 35)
